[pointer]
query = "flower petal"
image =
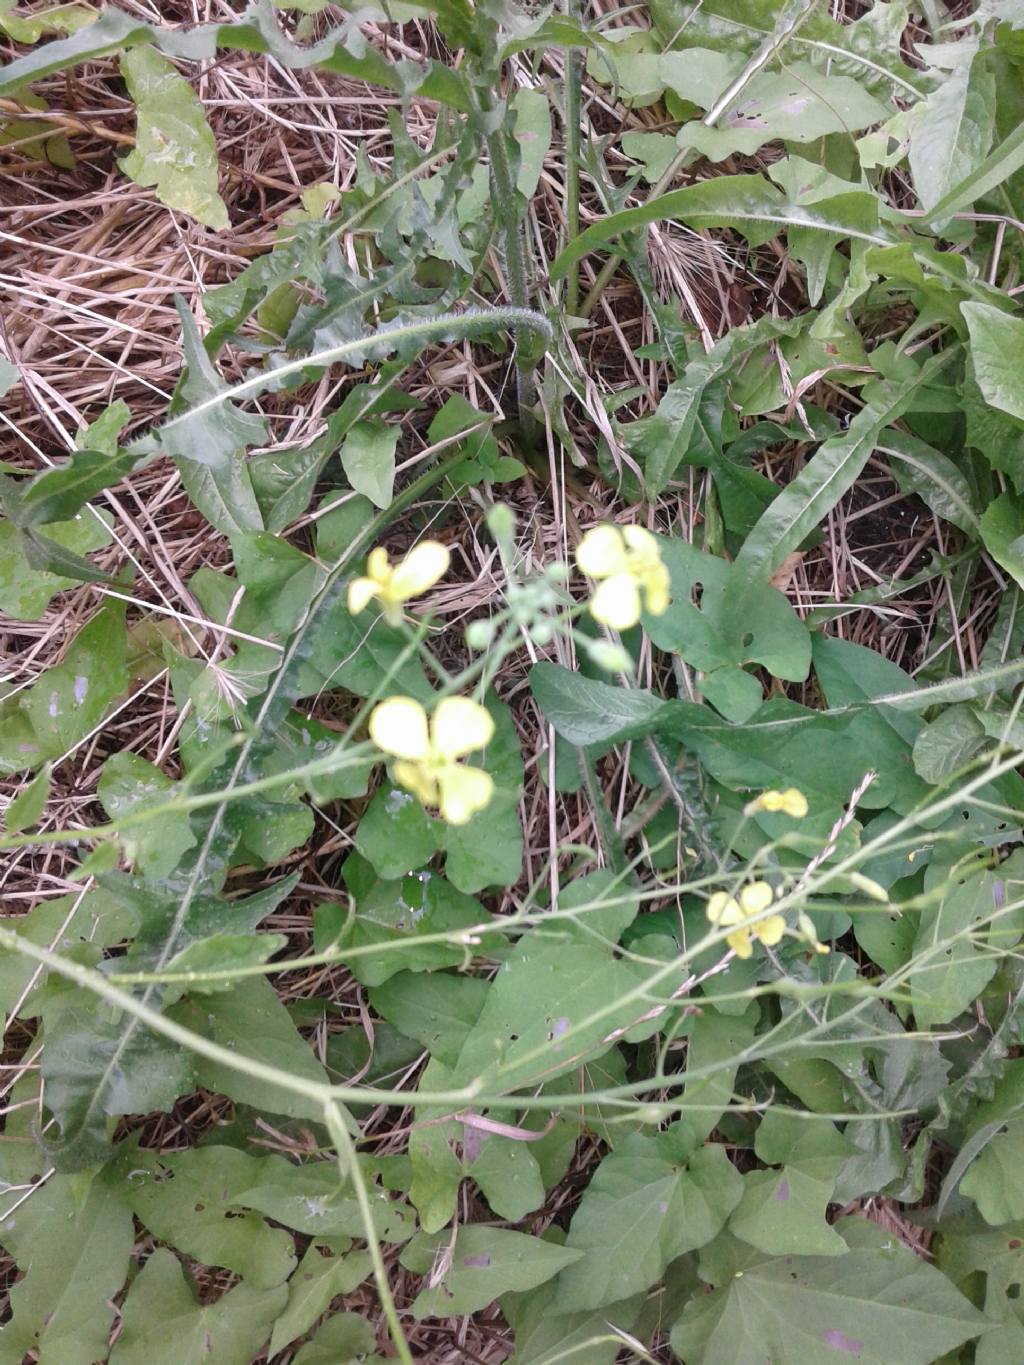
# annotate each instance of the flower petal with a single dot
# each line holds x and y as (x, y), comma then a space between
(602, 552)
(361, 592)
(723, 910)
(377, 566)
(464, 791)
(415, 778)
(642, 542)
(756, 898)
(419, 570)
(399, 727)
(616, 602)
(740, 943)
(459, 727)
(770, 931)
(657, 595)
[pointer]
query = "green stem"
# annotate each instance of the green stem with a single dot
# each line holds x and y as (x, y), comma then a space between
(348, 1166)
(572, 113)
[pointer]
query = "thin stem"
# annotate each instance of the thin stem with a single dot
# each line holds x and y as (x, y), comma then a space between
(571, 115)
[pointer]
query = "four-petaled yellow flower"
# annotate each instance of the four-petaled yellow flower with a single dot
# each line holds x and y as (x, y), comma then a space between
(789, 802)
(724, 911)
(393, 586)
(627, 562)
(428, 754)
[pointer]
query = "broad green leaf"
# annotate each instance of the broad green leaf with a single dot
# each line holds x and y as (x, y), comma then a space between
(70, 699)
(799, 104)
(174, 147)
(9, 376)
(483, 1263)
(947, 744)
(344, 1339)
(544, 1335)
(368, 459)
(716, 1043)
(392, 915)
(997, 350)
(994, 1180)
(316, 1280)
(532, 131)
(28, 805)
(438, 1009)
(395, 834)
(488, 850)
(96, 1067)
(187, 1199)
(642, 1209)
(878, 1303)
(782, 1212)
(767, 632)
(128, 784)
(951, 950)
(966, 1247)
(163, 1322)
(251, 1020)
(72, 1241)
(585, 711)
(26, 592)
(1002, 530)
(313, 1199)
(1001, 163)
(951, 131)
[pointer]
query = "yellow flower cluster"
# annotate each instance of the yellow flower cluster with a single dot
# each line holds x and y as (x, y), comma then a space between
(393, 586)
(631, 576)
(789, 802)
(725, 912)
(428, 753)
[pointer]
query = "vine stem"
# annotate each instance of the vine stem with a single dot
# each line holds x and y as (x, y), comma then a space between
(348, 1166)
(571, 115)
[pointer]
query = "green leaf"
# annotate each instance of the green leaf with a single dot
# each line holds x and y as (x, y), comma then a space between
(951, 131)
(174, 148)
(821, 483)
(96, 1067)
(344, 1339)
(953, 962)
(395, 834)
(29, 804)
(1002, 530)
(483, 1263)
(488, 849)
(767, 632)
(641, 1210)
(315, 1282)
(921, 469)
(967, 1247)
(207, 436)
(59, 493)
(438, 1009)
(997, 352)
(368, 459)
(313, 1199)
(585, 711)
(72, 1241)
(163, 1322)
(187, 1199)
(877, 1304)
(746, 202)
(782, 1211)
(947, 744)
(250, 1020)
(9, 376)
(25, 592)
(799, 104)
(392, 915)
(994, 1178)
(128, 785)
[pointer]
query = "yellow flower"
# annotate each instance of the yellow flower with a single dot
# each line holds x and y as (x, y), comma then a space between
(627, 563)
(393, 586)
(790, 802)
(724, 910)
(428, 753)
